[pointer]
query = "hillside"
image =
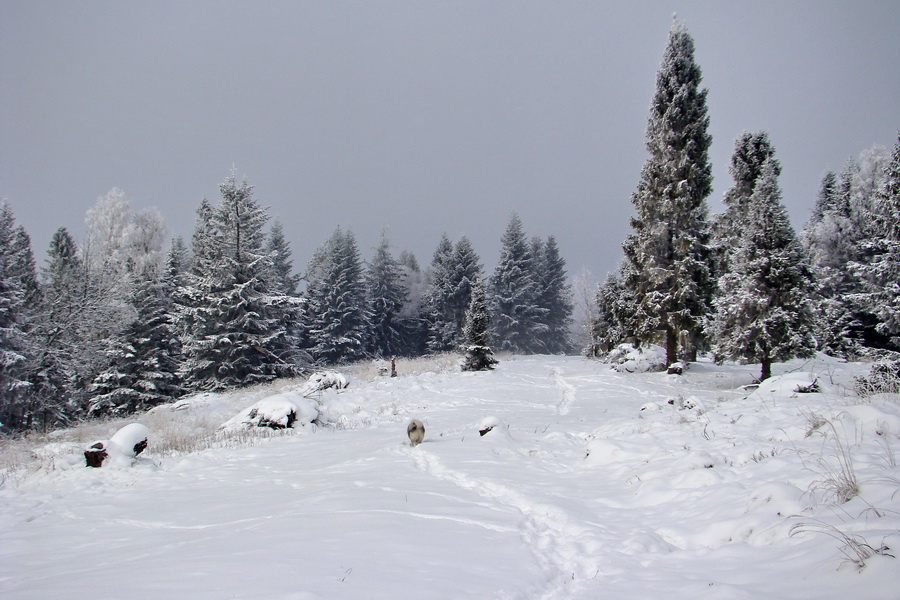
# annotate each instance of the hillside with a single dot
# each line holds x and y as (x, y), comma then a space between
(592, 484)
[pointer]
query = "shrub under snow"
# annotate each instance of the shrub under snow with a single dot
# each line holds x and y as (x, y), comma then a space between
(629, 359)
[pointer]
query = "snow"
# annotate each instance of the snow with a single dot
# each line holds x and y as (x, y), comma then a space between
(289, 409)
(576, 493)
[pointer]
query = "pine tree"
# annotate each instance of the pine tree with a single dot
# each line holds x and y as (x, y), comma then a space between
(336, 319)
(236, 338)
(58, 334)
(555, 296)
(751, 151)
(414, 312)
(879, 272)
(465, 270)
(612, 321)
(843, 239)
(387, 296)
(14, 348)
(441, 320)
(668, 249)
(284, 281)
(478, 354)
(764, 311)
(517, 318)
(144, 361)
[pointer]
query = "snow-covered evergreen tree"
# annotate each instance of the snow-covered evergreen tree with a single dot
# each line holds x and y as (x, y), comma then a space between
(236, 338)
(441, 319)
(751, 151)
(63, 356)
(284, 280)
(669, 247)
(555, 296)
(878, 269)
(14, 348)
(143, 362)
(336, 318)
(842, 239)
(414, 312)
(465, 270)
(518, 319)
(478, 353)
(613, 316)
(387, 295)
(763, 310)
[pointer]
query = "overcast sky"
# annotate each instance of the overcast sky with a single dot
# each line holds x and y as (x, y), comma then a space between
(422, 117)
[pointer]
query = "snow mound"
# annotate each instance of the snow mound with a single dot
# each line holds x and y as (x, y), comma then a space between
(281, 411)
(868, 420)
(488, 424)
(625, 358)
(790, 385)
(324, 380)
(779, 498)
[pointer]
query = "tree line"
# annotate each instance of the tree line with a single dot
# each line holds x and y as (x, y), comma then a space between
(743, 285)
(118, 324)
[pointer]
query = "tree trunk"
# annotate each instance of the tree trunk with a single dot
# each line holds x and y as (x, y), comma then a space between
(766, 368)
(671, 347)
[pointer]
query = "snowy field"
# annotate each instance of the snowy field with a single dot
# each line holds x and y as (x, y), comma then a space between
(590, 485)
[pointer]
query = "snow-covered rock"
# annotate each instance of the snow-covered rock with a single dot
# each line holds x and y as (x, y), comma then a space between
(281, 411)
(626, 358)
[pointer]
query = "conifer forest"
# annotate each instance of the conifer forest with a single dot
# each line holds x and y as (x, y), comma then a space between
(127, 319)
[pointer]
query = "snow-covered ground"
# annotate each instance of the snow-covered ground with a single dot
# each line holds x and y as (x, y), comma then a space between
(591, 484)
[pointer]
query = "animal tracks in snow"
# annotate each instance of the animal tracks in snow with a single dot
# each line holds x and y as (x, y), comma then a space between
(564, 551)
(567, 389)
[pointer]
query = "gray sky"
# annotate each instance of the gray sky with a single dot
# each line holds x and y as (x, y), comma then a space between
(423, 117)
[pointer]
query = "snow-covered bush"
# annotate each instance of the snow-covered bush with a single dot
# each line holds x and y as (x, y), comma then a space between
(629, 359)
(281, 411)
(884, 378)
(324, 380)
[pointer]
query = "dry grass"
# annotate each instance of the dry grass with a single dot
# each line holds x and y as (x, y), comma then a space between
(188, 425)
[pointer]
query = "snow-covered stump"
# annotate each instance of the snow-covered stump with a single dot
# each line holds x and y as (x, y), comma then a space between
(122, 448)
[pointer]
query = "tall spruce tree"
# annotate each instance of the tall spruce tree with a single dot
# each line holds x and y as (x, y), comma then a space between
(387, 295)
(668, 248)
(57, 333)
(751, 151)
(14, 350)
(336, 320)
(763, 310)
(440, 315)
(518, 319)
(879, 267)
(235, 338)
(478, 353)
(465, 270)
(555, 297)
